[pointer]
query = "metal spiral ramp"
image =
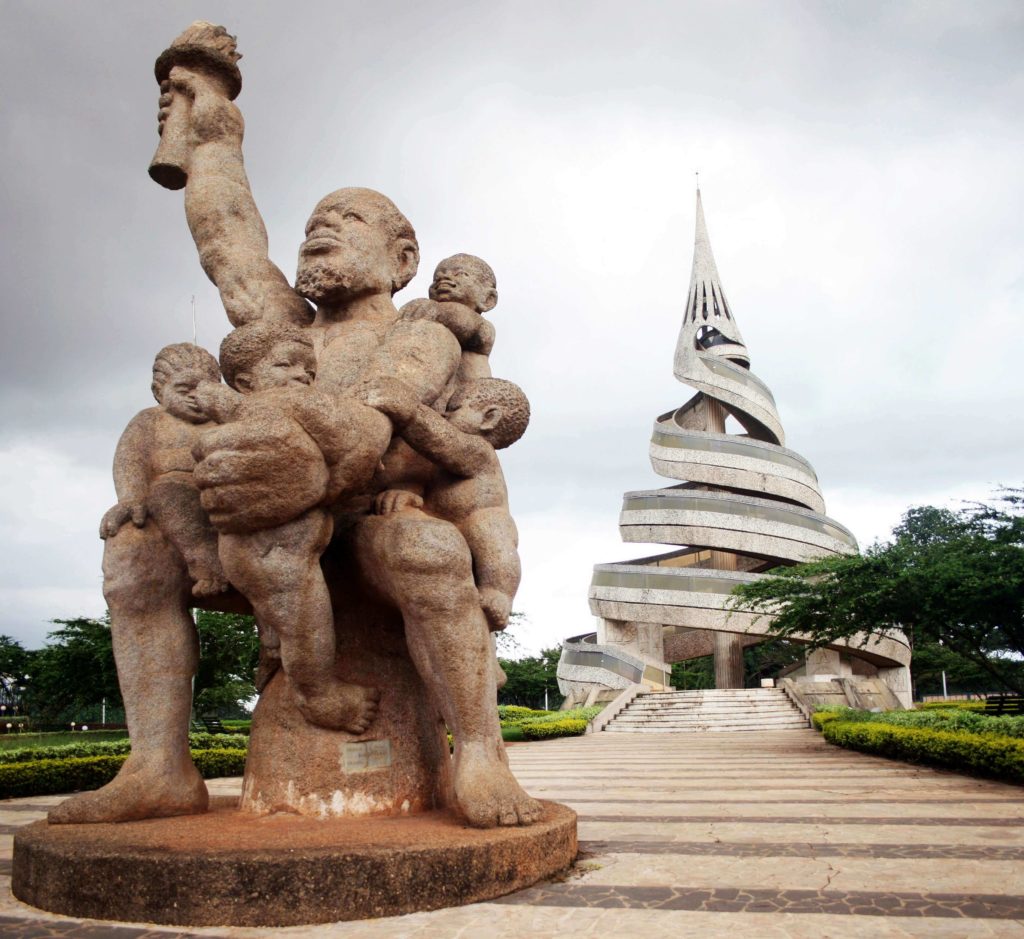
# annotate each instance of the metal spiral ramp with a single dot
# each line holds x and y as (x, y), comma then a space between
(745, 504)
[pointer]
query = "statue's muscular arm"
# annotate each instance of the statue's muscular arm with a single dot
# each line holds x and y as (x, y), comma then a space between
(221, 212)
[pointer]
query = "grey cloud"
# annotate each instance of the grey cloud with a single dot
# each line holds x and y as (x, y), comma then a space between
(861, 176)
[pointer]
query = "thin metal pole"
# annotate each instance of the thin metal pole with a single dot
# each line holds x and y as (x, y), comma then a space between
(194, 320)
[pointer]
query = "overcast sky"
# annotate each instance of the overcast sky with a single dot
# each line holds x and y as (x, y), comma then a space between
(861, 173)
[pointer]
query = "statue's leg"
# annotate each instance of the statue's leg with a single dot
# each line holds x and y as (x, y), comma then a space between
(155, 646)
(424, 567)
(278, 571)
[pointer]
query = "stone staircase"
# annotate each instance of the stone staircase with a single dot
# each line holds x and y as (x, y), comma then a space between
(736, 709)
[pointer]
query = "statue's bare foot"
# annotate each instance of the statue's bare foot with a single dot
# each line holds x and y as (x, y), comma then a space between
(341, 705)
(488, 793)
(136, 792)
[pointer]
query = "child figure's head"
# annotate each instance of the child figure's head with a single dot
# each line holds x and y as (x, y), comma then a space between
(177, 371)
(266, 354)
(492, 408)
(464, 278)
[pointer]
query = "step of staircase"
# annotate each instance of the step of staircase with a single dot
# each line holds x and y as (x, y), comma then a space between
(719, 710)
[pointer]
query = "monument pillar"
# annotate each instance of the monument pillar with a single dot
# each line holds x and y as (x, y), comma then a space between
(728, 646)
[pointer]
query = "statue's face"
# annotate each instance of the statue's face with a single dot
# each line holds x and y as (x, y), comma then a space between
(178, 395)
(471, 416)
(458, 282)
(289, 363)
(347, 252)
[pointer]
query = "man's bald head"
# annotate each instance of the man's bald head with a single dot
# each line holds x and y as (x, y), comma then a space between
(357, 242)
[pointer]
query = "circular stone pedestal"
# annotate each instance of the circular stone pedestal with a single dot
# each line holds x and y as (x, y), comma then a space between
(226, 868)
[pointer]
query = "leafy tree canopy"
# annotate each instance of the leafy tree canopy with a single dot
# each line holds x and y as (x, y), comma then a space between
(953, 579)
(528, 677)
(75, 671)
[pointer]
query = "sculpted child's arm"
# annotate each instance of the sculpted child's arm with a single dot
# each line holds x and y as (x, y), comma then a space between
(219, 402)
(132, 461)
(474, 333)
(463, 454)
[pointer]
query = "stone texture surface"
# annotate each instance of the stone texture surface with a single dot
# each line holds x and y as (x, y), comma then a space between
(358, 502)
(747, 501)
(222, 868)
(713, 835)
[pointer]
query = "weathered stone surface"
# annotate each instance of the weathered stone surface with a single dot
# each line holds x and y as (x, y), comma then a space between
(356, 500)
(227, 868)
(746, 504)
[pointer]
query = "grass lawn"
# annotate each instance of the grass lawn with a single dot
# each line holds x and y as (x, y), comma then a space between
(18, 741)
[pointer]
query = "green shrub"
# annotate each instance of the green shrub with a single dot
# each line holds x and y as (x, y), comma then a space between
(67, 751)
(952, 719)
(838, 712)
(238, 726)
(51, 777)
(962, 705)
(220, 762)
(546, 729)
(511, 712)
(983, 754)
(196, 741)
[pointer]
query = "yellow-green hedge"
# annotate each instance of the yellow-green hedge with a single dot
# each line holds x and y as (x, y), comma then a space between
(544, 730)
(50, 777)
(983, 754)
(820, 718)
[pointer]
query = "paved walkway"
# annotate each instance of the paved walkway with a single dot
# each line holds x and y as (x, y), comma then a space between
(768, 836)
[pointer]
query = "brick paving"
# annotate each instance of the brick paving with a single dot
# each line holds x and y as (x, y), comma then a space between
(774, 835)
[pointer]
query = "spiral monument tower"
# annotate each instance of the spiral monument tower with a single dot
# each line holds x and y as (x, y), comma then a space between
(744, 504)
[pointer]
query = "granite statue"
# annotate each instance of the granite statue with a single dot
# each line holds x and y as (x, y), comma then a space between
(347, 475)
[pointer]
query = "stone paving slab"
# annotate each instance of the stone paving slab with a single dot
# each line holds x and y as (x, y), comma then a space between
(773, 836)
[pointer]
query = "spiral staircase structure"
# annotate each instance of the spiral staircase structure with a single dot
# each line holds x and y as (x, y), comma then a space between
(744, 504)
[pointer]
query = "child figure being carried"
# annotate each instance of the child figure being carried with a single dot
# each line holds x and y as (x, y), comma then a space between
(271, 366)
(468, 487)
(153, 465)
(463, 289)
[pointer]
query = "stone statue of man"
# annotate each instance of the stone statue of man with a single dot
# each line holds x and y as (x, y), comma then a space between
(359, 250)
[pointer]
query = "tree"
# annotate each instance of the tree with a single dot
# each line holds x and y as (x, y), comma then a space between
(949, 579)
(529, 677)
(229, 650)
(762, 660)
(15, 668)
(74, 672)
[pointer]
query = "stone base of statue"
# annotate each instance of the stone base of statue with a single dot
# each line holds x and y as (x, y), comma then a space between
(400, 766)
(226, 868)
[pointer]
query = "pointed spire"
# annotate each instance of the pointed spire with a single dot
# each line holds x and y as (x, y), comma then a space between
(706, 302)
(708, 318)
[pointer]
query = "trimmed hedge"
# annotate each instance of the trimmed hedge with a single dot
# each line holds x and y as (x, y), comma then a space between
(962, 705)
(951, 719)
(982, 754)
(196, 741)
(51, 777)
(508, 713)
(545, 730)
(820, 718)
